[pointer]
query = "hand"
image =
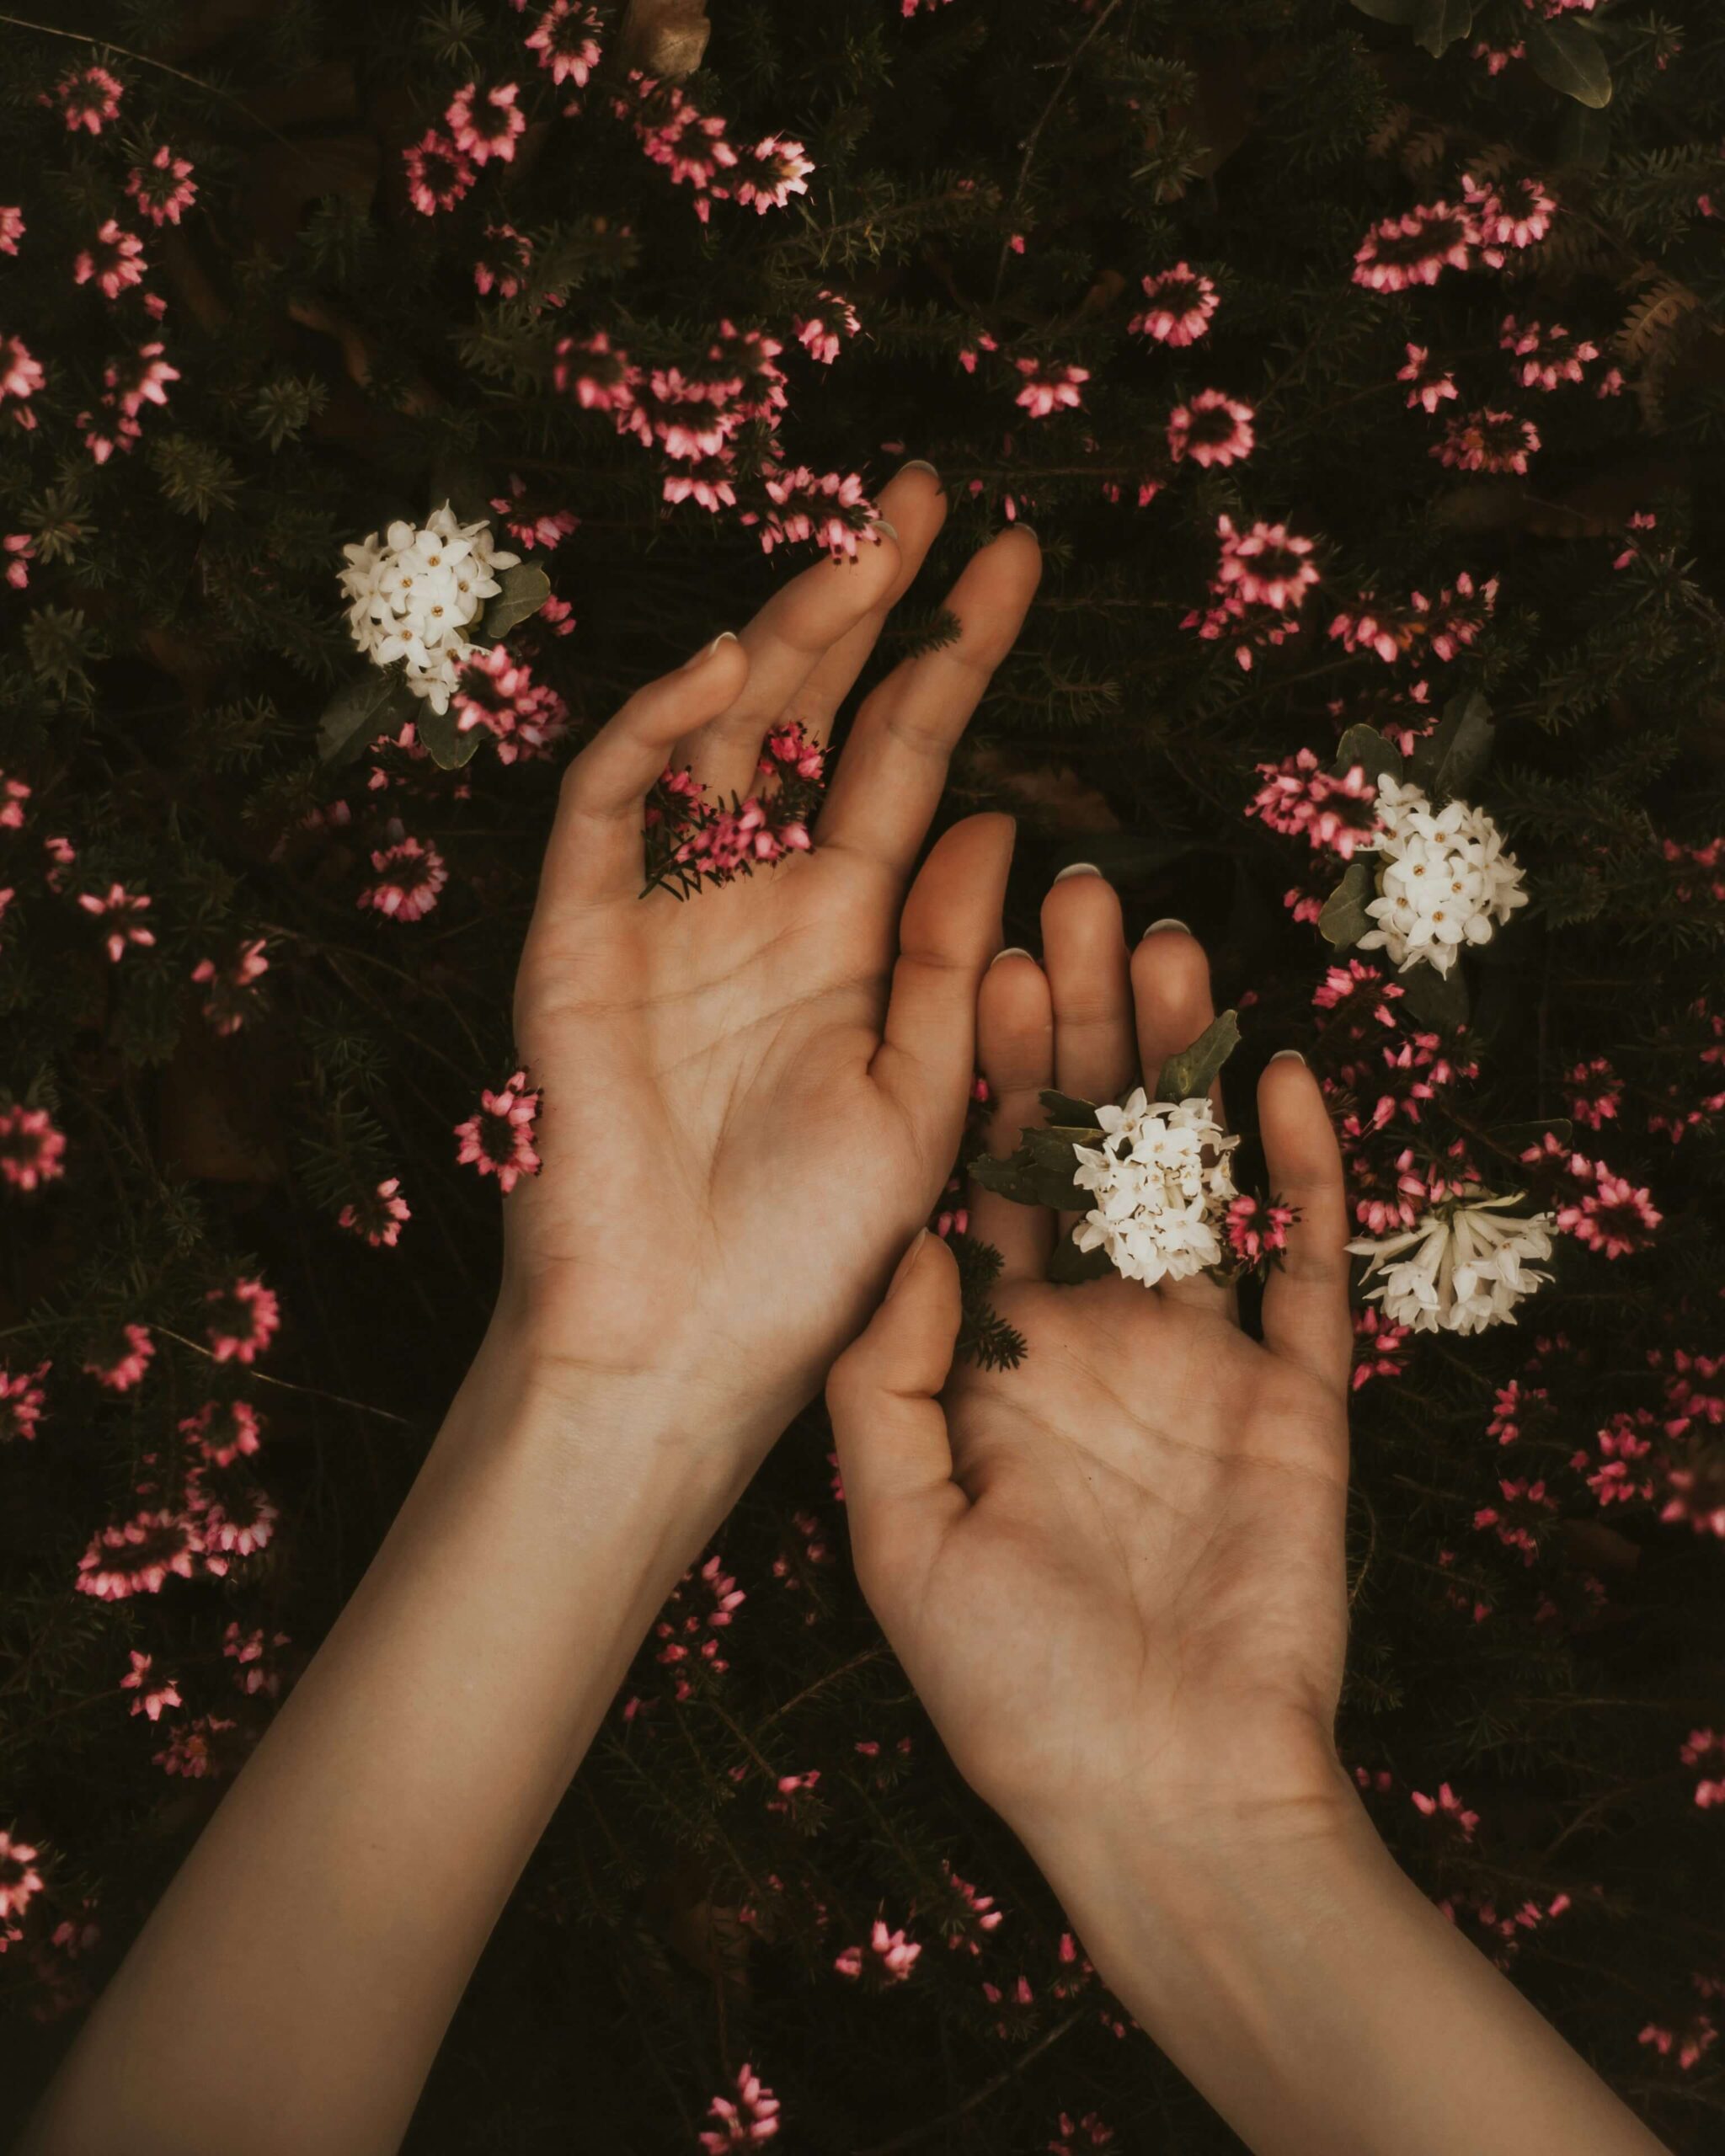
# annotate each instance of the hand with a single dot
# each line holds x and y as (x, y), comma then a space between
(752, 1095)
(1115, 1573)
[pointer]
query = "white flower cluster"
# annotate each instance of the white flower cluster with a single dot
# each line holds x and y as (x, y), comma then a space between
(1162, 1184)
(1464, 1267)
(1446, 879)
(414, 597)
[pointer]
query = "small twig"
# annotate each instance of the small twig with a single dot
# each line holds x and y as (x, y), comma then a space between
(830, 1677)
(286, 1384)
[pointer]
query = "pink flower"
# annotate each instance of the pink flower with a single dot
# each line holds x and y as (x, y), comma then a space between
(1181, 303)
(248, 1650)
(410, 873)
(769, 173)
(821, 331)
(1213, 429)
(1687, 2045)
(894, 1956)
(87, 97)
(498, 1140)
(1488, 441)
(1048, 386)
(190, 1752)
(18, 1878)
(1257, 1228)
(1448, 1805)
(486, 127)
(1379, 1346)
(1430, 387)
(153, 1693)
(163, 189)
(1508, 218)
(232, 1517)
(12, 228)
(558, 616)
(228, 1005)
(133, 383)
(438, 173)
(1547, 356)
(136, 1556)
(115, 260)
(32, 1151)
(598, 377)
(22, 547)
(1298, 797)
(497, 691)
(22, 1401)
(243, 1318)
(122, 1371)
(20, 378)
(222, 1430)
(752, 2119)
(504, 266)
(545, 527)
(1415, 249)
(1266, 565)
(565, 41)
(122, 909)
(379, 1217)
(1612, 1217)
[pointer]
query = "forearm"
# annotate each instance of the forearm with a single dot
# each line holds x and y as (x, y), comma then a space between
(1308, 1988)
(301, 1969)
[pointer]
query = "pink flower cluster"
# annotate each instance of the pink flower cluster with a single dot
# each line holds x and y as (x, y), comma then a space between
(693, 840)
(497, 690)
(1263, 576)
(745, 2122)
(1418, 247)
(377, 1215)
(410, 874)
(1179, 305)
(498, 1138)
(1300, 798)
(1444, 626)
(32, 1151)
(685, 1632)
(694, 147)
(889, 1956)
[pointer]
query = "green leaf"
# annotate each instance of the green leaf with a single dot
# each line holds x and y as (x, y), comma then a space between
(1364, 745)
(1570, 58)
(1190, 1074)
(1344, 919)
(523, 590)
(1039, 1173)
(1068, 1113)
(449, 748)
(1435, 999)
(373, 704)
(1450, 759)
(1069, 1265)
(1399, 12)
(1438, 23)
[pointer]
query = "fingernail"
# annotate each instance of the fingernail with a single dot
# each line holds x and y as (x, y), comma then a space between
(919, 464)
(1011, 950)
(905, 1264)
(1078, 869)
(882, 524)
(1282, 1051)
(1168, 921)
(706, 650)
(1019, 525)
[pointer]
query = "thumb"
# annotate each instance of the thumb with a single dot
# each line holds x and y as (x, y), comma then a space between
(893, 1454)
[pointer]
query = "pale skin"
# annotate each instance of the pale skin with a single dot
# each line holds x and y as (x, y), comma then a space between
(751, 1101)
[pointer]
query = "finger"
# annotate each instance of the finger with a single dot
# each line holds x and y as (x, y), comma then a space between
(1171, 993)
(786, 640)
(1015, 1051)
(595, 850)
(894, 765)
(913, 503)
(894, 1455)
(949, 930)
(1305, 1314)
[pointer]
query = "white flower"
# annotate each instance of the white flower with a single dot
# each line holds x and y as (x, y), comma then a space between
(414, 597)
(1161, 1182)
(1446, 879)
(1465, 1269)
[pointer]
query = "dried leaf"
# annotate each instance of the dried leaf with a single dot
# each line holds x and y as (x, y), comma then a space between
(665, 38)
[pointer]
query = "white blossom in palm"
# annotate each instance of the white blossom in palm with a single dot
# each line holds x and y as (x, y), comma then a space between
(1162, 1184)
(1463, 1266)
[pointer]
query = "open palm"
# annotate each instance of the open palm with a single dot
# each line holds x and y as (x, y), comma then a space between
(1115, 1571)
(752, 1095)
